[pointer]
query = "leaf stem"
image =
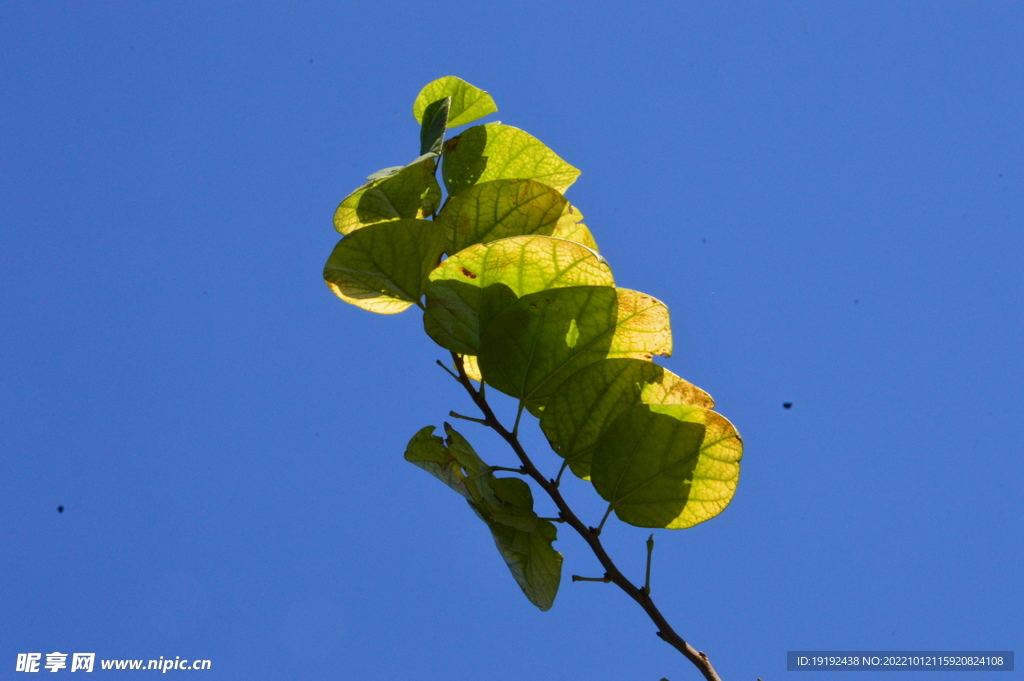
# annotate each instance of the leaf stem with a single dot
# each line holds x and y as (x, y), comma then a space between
(519, 415)
(665, 631)
(604, 520)
(558, 478)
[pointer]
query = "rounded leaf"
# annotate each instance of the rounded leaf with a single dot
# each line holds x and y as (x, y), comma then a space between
(383, 268)
(411, 192)
(468, 102)
(670, 466)
(475, 284)
(529, 348)
(501, 152)
(501, 208)
(588, 401)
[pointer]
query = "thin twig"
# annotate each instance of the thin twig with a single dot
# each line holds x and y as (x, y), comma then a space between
(647, 579)
(450, 373)
(520, 471)
(665, 631)
(605, 579)
(457, 415)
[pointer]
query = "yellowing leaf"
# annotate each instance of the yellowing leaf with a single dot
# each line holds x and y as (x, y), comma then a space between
(501, 208)
(471, 367)
(501, 152)
(570, 226)
(468, 102)
(472, 286)
(585, 404)
(525, 351)
(412, 192)
(383, 268)
(670, 466)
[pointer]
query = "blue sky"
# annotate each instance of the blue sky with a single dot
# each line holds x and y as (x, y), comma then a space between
(828, 196)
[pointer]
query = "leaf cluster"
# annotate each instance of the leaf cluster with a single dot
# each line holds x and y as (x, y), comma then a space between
(510, 280)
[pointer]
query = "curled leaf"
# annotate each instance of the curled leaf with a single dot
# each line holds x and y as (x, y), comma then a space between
(524, 541)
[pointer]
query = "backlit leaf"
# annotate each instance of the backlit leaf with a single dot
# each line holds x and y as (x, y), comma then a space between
(585, 404)
(670, 466)
(570, 226)
(529, 348)
(471, 367)
(411, 192)
(383, 268)
(468, 102)
(501, 208)
(473, 285)
(501, 152)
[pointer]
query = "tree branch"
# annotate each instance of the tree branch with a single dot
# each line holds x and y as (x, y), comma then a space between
(590, 535)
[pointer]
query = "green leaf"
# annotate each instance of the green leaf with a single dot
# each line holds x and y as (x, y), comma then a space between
(583, 407)
(410, 192)
(504, 504)
(529, 554)
(501, 208)
(383, 268)
(435, 122)
(532, 346)
(468, 102)
(501, 152)
(670, 466)
(475, 284)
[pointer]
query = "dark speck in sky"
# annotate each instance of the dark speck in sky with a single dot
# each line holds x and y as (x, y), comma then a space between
(787, 405)
(60, 509)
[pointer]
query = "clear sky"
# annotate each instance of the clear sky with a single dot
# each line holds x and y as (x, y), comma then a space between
(828, 196)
